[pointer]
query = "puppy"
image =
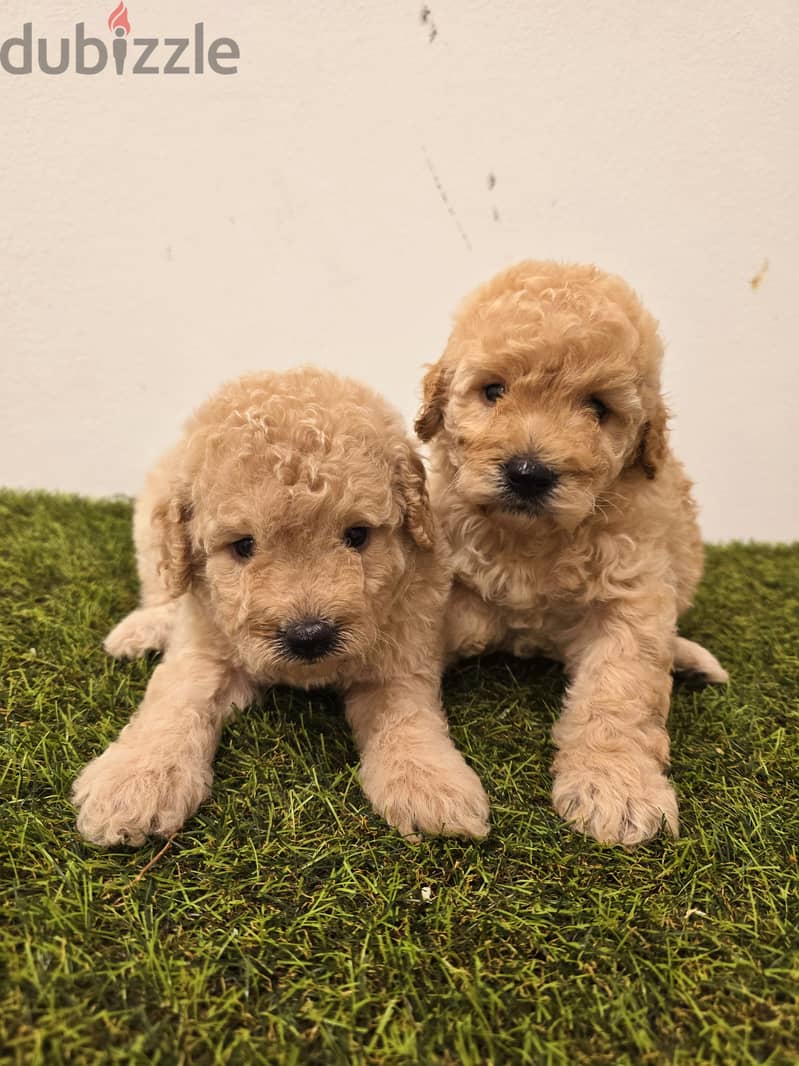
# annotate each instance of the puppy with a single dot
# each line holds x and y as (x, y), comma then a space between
(287, 539)
(571, 523)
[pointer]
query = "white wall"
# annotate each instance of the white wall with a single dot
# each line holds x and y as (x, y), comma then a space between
(158, 234)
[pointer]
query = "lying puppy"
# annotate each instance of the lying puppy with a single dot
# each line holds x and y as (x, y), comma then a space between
(287, 539)
(571, 523)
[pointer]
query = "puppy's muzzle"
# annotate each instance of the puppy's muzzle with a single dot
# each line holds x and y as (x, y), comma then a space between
(526, 482)
(310, 639)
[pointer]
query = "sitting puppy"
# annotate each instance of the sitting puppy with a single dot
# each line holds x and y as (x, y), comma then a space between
(287, 539)
(571, 523)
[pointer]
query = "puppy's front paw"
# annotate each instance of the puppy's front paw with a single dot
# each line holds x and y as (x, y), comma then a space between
(433, 796)
(127, 794)
(616, 801)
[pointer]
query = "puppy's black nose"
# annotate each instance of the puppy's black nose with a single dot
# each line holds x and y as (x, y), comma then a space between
(526, 479)
(310, 638)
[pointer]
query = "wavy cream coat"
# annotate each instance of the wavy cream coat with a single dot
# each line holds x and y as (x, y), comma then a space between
(292, 461)
(597, 575)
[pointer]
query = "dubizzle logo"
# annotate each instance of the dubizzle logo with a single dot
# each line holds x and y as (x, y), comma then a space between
(134, 55)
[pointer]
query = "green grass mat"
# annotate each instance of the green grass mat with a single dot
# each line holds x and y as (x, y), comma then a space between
(288, 924)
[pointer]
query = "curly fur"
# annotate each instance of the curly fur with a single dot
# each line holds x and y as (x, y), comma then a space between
(291, 460)
(599, 573)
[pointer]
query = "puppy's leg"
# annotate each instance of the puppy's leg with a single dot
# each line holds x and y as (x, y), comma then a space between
(612, 740)
(697, 662)
(158, 772)
(150, 626)
(411, 771)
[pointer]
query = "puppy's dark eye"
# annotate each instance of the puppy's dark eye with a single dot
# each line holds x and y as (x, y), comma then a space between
(600, 409)
(243, 548)
(356, 537)
(493, 391)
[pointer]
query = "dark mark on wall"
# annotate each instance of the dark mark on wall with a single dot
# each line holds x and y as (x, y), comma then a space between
(445, 199)
(757, 280)
(427, 20)
(491, 182)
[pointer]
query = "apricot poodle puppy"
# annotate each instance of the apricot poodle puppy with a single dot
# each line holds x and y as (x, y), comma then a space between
(287, 539)
(571, 524)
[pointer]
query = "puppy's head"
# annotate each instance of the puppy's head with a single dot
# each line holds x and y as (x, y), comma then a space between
(298, 511)
(548, 389)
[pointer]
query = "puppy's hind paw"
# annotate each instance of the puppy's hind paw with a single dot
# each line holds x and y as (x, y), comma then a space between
(146, 629)
(693, 680)
(695, 666)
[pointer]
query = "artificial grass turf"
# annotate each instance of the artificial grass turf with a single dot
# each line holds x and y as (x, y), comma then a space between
(288, 924)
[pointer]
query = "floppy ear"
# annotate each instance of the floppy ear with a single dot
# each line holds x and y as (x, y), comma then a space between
(170, 522)
(654, 444)
(412, 488)
(434, 399)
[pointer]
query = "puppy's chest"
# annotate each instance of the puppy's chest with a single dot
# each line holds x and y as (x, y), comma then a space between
(532, 609)
(526, 590)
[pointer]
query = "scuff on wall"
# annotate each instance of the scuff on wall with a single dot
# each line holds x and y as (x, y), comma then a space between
(445, 199)
(757, 279)
(426, 17)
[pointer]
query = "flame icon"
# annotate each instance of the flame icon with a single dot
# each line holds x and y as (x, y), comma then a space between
(118, 20)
